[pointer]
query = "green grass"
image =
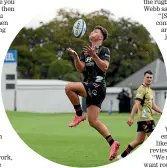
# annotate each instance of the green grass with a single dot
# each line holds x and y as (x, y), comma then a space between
(82, 146)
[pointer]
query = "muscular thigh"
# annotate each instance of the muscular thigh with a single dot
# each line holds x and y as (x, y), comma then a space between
(93, 112)
(77, 87)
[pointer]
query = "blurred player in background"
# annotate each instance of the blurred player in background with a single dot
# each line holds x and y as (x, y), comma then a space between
(143, 106)
(94, 61)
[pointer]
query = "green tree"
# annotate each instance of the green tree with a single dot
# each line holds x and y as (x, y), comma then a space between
(131, 45)
(59, 68)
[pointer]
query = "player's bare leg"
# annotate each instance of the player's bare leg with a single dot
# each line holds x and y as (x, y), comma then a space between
(74, 89)
(93, 113)
(140, 137)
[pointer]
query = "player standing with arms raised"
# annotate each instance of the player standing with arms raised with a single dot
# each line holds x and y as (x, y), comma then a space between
(95, 62)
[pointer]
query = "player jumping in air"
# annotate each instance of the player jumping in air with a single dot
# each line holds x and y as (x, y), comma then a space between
(94, 61)
(143, 106)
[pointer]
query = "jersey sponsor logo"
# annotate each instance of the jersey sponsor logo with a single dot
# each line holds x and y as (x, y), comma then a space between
(144, 113)
(89, 93)
(88, 59)
(95, 85)
(94, 92)
(144, 127)
(148, 122)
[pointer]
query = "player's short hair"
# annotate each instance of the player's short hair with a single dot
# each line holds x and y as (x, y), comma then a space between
(148, 72)
(103, 30)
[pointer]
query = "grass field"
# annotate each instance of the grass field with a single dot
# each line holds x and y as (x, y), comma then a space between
(50, 136)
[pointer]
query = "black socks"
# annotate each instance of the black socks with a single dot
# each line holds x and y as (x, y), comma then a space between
(78, 109)
(110, 140)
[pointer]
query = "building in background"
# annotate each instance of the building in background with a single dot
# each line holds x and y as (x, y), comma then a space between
(48, 96)
(8, 80)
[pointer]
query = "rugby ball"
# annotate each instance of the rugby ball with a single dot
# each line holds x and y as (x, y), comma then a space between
(79, 28)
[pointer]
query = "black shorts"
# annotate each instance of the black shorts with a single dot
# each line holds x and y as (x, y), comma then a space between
(146, 126)
(96, 93)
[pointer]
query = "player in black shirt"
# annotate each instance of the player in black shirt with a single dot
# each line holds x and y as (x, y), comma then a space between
(94, 62)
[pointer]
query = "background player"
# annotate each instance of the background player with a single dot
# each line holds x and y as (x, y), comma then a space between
(143, 105)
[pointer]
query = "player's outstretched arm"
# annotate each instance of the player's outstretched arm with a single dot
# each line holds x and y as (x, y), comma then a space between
(133, 112)
(102, 64)
(156, 108)
(78, 64)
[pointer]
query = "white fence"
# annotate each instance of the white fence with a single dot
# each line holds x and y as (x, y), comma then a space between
(42, 96)
(48, 96)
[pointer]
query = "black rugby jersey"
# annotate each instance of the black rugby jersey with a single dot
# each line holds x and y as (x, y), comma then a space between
(92, 72)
